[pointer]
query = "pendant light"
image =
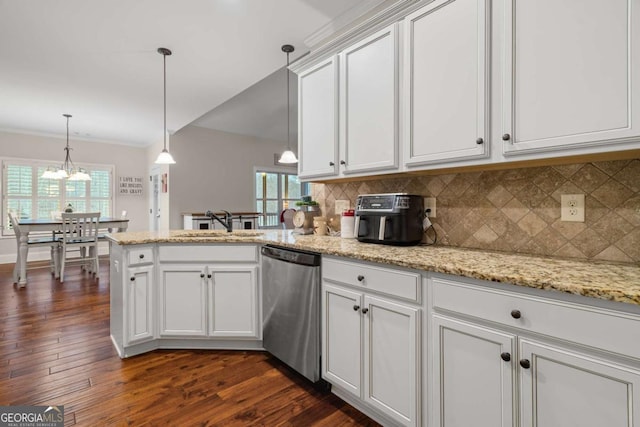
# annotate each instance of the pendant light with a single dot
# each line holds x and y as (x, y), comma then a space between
(68, 170)
(288, 156)
(165, 158)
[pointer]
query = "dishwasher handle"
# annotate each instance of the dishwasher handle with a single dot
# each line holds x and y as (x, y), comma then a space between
(292, 256)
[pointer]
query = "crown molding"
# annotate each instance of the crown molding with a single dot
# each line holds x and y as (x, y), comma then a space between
(341, 21)
(71, 137)
(388, 12)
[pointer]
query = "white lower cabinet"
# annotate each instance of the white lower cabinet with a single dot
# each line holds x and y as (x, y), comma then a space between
(563, 387)
(233, 301)
(209, 300)
(473, 378)
(185, 296)
(342, 343)
(370, 343)
(183, 300)
(140, 307)
(132, 297)
(390, 358)
(500, 370)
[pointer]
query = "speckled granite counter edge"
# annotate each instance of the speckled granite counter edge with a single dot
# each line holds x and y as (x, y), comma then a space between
(614, 282)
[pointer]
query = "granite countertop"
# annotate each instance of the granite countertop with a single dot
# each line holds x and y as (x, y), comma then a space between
(615, 282)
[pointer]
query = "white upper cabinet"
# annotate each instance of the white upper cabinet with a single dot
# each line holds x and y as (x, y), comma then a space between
(570, 75)
(369, 103)
(318, 120)
(446, 82)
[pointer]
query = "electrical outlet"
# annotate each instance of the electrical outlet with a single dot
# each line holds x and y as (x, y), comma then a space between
(572, 207)
(430, 206)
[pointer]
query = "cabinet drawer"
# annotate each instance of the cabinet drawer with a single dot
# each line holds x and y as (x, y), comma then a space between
(583, 324)
(142, 255)
(402, 284)
(209, 253)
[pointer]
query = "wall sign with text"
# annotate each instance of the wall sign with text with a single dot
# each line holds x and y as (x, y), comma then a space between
(130, 186)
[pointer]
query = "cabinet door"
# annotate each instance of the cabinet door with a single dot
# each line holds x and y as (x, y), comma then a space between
(473, 372)
(566, 388)
(233, 302)
(391, 359)
(139, 306)
(183, 300)
(342, 343)
(318, 120)
(446, 82)
(369, 103)
(570, 74)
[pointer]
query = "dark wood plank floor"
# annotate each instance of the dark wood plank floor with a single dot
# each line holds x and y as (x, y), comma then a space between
(55, 350)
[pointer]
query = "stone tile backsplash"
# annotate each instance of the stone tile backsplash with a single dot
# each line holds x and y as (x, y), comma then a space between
(518, 210)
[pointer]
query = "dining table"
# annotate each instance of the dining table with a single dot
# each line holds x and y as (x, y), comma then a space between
(29, 225)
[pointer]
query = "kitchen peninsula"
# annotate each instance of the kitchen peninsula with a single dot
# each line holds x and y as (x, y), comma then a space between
(524, 320)
(607, 281)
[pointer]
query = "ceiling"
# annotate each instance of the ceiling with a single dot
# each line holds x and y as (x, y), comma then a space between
(259, 111)
(97, 60)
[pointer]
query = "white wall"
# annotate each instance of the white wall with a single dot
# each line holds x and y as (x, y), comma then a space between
(128, 161)
(215, 170)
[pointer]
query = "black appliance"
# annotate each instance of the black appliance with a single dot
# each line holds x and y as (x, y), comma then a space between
(389, 219)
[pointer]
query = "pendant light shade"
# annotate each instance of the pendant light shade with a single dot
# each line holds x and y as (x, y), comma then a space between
(68, 170)
(288, 157)
(165, 158)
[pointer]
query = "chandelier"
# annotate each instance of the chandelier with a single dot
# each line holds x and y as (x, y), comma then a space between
(68, 169)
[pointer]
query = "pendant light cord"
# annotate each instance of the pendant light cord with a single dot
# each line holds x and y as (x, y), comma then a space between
(164, 75)
(288, 108)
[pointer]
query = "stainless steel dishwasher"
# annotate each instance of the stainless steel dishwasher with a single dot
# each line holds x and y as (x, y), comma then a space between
(291, 308)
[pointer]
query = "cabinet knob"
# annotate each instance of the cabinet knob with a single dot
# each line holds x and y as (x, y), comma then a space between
(506, 137)
(360, 278)
(356, 307)
(141, 256)
(516, 314)
(133, 278)
(479, 141)
(202, 275)
(525, 363)
(331, 164)
(365, 310)
(208, 276)
(342, 162)
(505, 356)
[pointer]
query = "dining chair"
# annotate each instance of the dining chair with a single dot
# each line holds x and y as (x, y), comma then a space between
(103, 236)
(80, 234)
(39, 240)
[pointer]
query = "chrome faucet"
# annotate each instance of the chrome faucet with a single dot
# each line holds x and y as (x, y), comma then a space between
(226, 222)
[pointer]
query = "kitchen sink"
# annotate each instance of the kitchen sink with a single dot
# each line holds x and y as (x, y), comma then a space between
(220, 234)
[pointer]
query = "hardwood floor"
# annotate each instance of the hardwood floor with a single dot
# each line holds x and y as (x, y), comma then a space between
(55, 350)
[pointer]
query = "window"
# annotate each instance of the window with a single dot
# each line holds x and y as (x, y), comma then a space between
(30, 196)
(276, 191)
